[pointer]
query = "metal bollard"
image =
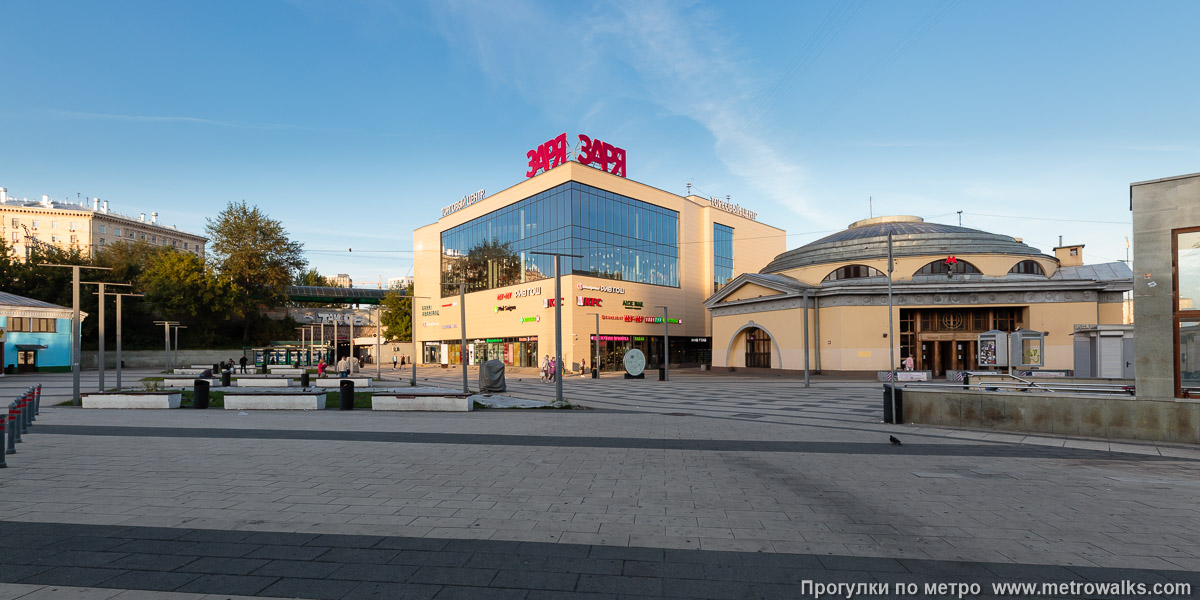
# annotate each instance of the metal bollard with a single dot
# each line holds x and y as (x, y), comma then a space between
(3, 442)
(29, 407)
(14, 434)
(23, 415)
(37, 400)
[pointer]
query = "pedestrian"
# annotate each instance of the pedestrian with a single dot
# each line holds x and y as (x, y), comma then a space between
(545, 368)
(908, 363)
(583, 367)
(393, 362)
(321, 368)
(354, 364)
(553, 367)
(243, 362)
(342, 369)
(403, 360)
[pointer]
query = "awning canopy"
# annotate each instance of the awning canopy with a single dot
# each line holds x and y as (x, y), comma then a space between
(30, 346)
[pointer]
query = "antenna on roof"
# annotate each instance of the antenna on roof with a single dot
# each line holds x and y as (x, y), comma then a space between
(689, 188)
(870, 207)
(960, 218)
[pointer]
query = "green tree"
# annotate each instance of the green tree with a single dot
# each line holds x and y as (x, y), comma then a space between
(253, 254)
(397, 314)
(180, 287)
(312, 277)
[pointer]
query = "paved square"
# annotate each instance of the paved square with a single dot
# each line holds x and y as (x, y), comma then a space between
(702, 487)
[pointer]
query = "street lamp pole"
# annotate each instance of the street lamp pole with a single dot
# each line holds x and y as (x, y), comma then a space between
(100, 349)
(596, 365)
(558, 362)
(119, 296)
(76, 346)
(175, 356)
(666, 344)
(462, 329)
(378, 335)
(167, 340)
(412, 336)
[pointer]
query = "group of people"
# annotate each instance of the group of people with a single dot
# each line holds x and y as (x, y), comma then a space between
(403, 362)
(345, 366)
(550, 368)
(228, 365)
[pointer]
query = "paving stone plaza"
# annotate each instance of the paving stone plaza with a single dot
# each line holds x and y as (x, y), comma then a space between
(702, 487)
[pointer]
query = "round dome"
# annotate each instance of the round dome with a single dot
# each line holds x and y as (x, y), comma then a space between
(911, 236)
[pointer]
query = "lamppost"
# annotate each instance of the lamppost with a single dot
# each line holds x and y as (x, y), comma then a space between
(666, 344)
(167, 340)
(119, 296)
(558, 319)
(596, 365)
(76, 347)
(175, 356)
(100, 354)
(412, 334)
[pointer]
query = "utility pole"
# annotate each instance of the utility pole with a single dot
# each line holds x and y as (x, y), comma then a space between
(119, 296)
(558, 300)
(175, 356)
(378, 336)
(960, 218)
(596, 365)
(76, 346)
(462, 329)
(891, 331)
(100, 348)
(167, 340)
(412, 335)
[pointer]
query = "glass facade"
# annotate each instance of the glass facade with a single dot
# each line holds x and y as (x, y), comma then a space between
(722, 255)
(619, 238)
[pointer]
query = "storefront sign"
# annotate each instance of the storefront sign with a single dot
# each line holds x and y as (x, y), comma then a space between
(611, 338)
(465, 202)
(428, 311)
(497, 309)
(632, 304)
(494, 340)
(521, 293)
(549, 302)
(534, 319)
(450, 305)
(640, 319)
(450, 326)
(612, 317)
(429, 324)
(733, 209)
(700, 340)
(553, 153)
(608, 289)
(581, 301)
(608, 157)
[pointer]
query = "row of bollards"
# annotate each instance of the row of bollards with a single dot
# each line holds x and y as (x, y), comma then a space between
(22, 412)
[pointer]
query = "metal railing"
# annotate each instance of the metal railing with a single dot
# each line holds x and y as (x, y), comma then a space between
(994, 386)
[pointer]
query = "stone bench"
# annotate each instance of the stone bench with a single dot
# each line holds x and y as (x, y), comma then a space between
(442, 403)
(263, 382)
(275, 401)
(285, 371)
(332, 382)
(133, 400)
(187, 383)
(192, 371)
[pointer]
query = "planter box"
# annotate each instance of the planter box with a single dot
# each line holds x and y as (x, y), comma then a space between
(333, 382)
(285, 371)
(192, 371)
(133, 400)
(275, 401)
(430, 403)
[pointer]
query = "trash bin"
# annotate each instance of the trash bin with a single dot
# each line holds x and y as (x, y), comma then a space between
(662, 373)
(224, 378)
(346, 394)
(216, 368)
(304, 379)
(887, 404)
(595, 373)
(200, 394)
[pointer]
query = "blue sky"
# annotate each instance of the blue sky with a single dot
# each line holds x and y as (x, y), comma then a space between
(353, 122)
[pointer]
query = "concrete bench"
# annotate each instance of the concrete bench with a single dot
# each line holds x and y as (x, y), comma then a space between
(133, 400)
(187, 383)
(192, 371)
(442, 403)
(263, 382)
(332, 382)
(275, 401)
(285, 371)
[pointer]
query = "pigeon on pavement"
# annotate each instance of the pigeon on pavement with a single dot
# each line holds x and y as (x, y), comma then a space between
(895, 442)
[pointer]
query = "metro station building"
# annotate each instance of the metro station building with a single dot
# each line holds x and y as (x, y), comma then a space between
(641, 248)
(838, 284)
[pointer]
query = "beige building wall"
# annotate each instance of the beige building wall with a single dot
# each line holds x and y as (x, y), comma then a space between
(437, 318)
(85, 230)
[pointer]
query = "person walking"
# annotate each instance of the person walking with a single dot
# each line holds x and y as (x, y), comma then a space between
(583, 367)
(342, 368)
(393, 362)
(243, 363)
(553, 367)
(545, 368)
(354, 364)
(321, 368)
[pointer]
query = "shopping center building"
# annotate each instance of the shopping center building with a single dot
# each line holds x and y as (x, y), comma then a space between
(949, 285)
(639, 249)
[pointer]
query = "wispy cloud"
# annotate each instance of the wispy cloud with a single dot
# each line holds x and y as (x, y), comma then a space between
(681, 60)
(160, 119)
(902, 144)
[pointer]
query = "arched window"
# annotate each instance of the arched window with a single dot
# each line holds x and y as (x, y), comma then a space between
(852, 272)
(758, 348)
(939, 267)
(1027, 267)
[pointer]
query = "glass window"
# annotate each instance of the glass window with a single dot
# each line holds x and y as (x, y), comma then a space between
(1027, 267)
(853, 272)
(102, 229)
(722, 255)
(1187, 265)
(33, 223)
(945, 267)
(1189, 358)
(493, 250)
(16, 223)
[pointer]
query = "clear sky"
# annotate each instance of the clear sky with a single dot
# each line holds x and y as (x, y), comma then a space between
(353, 122)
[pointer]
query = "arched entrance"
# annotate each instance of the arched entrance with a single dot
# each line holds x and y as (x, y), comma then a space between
(758, 348)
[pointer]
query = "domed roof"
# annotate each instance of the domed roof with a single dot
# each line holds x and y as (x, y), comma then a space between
(911, 236)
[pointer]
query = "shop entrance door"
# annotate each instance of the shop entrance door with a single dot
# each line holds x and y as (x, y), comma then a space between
(26, 361)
